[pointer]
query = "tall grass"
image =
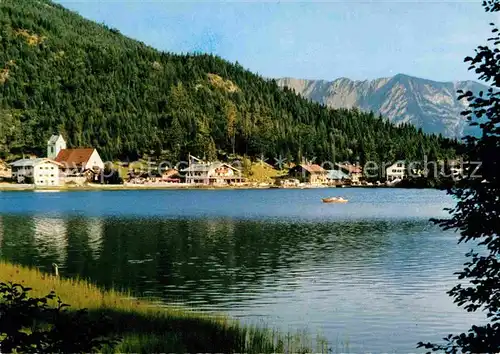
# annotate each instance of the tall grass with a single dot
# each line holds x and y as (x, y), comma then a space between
(147, 328)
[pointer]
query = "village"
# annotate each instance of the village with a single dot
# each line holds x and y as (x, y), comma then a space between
(80, 167)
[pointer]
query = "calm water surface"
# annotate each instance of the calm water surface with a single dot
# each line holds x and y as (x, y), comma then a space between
(370, 274)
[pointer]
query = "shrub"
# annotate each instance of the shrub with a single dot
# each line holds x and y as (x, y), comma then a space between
(31, 325)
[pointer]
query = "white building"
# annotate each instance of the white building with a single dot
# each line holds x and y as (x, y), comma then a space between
(80, 159)
(55, 144)
(212, 173)
(41, 171)
(80, 165)
(354, 172)
(396, 171)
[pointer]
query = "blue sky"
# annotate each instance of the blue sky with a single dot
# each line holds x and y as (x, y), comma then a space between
(314, 40)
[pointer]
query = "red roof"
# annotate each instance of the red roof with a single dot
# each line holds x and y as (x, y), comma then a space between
(169, 173)
(351, 168)
(74, 157)
(313, 168)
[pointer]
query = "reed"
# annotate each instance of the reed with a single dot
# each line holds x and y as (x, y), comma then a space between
(148, 327)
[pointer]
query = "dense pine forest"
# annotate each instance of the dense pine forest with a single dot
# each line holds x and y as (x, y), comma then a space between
(62, 73)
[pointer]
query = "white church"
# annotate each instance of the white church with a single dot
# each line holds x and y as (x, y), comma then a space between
(60, 166)
(55, 144)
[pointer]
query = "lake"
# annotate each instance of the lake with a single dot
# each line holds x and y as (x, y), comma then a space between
(369, 275)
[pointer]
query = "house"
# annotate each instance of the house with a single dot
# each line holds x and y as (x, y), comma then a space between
(80, 163)
(5, 171)
(337, 177)
(55, 144)
(143, 177)
(355, 172)
(170, 175)
(285, 181)
(212, 173)
(396, 171)
(38, 171)
(309, 173)
(290, 182)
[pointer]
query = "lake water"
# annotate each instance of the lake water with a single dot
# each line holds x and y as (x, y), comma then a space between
(369, 275)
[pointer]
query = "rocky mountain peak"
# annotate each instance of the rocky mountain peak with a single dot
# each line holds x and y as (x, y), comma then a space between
(430, 105)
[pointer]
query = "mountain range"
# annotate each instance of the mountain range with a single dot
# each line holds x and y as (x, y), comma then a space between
(430, 105)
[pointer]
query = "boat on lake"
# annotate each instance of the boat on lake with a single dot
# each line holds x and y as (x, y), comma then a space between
(334, 200)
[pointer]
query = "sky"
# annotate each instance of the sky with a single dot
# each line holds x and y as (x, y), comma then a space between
(311, 40)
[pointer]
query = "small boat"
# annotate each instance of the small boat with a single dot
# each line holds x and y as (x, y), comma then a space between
(334, 200)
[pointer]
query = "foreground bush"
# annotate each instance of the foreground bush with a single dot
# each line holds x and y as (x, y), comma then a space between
(31, 325)
(476, 216)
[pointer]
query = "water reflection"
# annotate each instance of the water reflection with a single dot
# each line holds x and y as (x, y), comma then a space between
(95, 229)
(50, 238)
(19, 241)
(212, 262)
(380, 281)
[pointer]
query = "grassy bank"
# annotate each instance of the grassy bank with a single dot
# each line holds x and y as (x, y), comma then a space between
(147, 327)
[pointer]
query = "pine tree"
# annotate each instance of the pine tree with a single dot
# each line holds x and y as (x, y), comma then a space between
(231, 115)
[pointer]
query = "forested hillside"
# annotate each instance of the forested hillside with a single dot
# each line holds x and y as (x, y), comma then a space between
(62, 73)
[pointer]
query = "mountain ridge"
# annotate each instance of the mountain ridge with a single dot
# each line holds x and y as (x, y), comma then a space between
(427, 104)
(382, 78)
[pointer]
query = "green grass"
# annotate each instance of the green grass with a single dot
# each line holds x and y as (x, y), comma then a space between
(263, 173)
(147, 327)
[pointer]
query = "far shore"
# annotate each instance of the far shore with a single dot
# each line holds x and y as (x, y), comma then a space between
(8, 187)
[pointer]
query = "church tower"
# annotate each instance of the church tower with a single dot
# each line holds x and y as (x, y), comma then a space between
(55, 144)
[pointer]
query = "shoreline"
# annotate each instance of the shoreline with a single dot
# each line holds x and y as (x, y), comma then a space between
(10, 187)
